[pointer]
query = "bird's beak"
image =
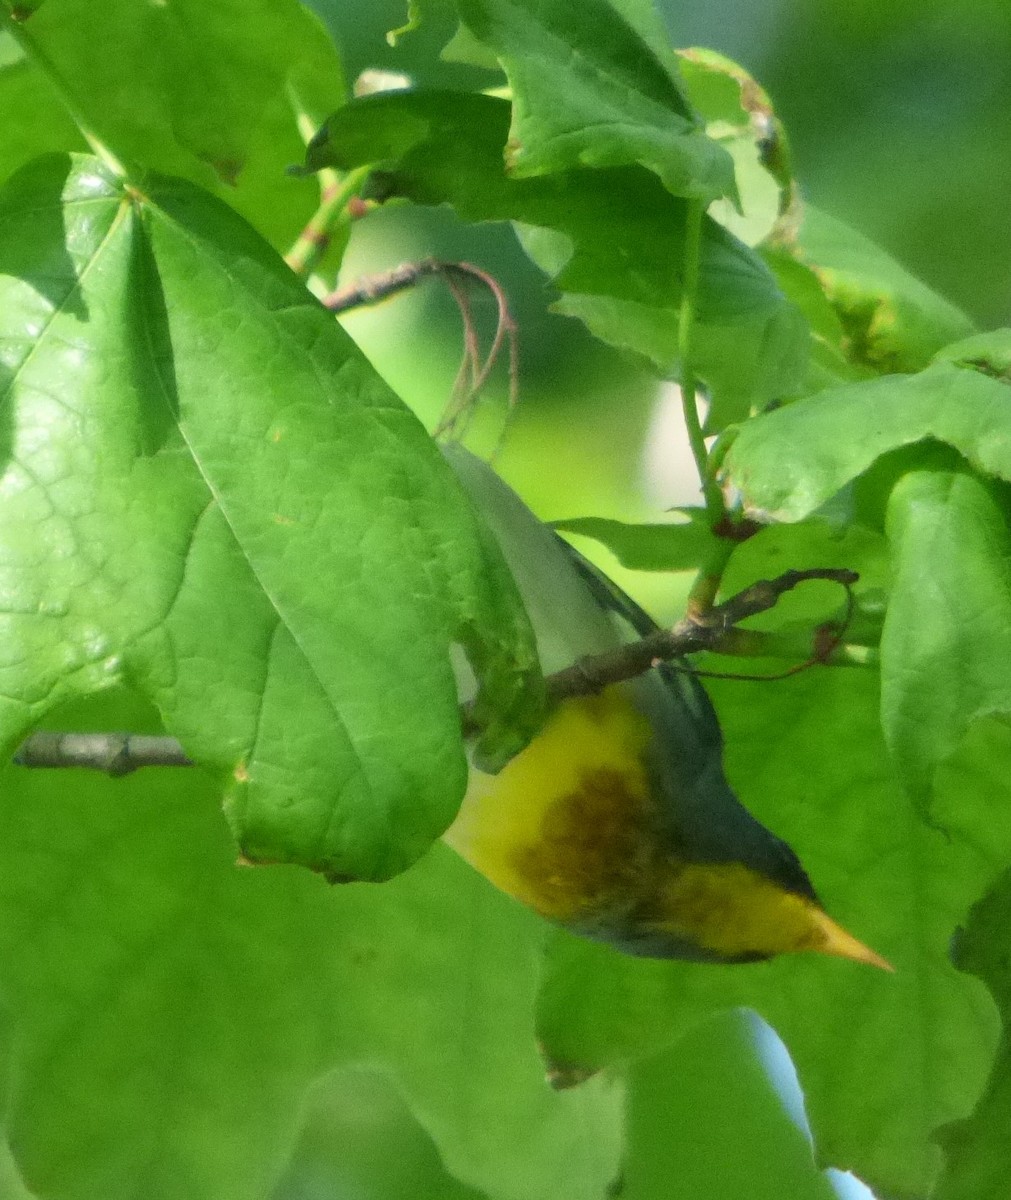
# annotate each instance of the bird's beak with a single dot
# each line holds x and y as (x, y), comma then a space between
(835, 940)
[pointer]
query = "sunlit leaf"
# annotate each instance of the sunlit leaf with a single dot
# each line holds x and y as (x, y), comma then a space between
(209, 91)
(589, 91)
(211, 494)
(788, 463)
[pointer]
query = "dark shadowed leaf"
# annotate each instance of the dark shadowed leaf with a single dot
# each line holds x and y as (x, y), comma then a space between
(978, 1149)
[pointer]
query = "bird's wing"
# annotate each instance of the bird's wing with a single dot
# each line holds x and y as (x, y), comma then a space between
(683, 688)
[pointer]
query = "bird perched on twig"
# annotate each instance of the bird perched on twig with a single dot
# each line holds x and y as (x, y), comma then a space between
(617, 821)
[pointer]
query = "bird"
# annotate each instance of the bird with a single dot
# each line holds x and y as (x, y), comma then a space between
(617, 821)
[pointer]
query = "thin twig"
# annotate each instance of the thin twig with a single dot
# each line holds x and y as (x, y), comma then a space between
(372, 289)
(465, 384)
(827, 639)
(696, 632)
(114, 753)
(313, 241)
(121, 753)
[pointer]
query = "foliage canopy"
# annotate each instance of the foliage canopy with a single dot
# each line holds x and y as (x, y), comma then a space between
(220, 521)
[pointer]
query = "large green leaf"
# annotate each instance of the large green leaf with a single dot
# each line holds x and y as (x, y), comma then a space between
(619, 265)
(946, 636)
(589, 91)
(12, 1184)
(209, 493)
(208, 91)
(946, 643)
(359, 1138)
(170, 1009)
(806, 756)
(789, 462)
(979, 1163)
(35, 122)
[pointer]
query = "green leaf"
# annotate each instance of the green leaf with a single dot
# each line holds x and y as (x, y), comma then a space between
(893, 321)
(946, 643)
(619, 266)
(36, 122)
(448, 971)
(788, 463)
(807, 758)
(680, 547)
(168, 1007)
(170, 1010)
(978, 1150)
(12, 1184)
(717, 1082)
(740, 117)
(360, 1138)
(988, 352)
(828, 363)
(209, 493)
(748, 356)
(589, 91)
(209, 91)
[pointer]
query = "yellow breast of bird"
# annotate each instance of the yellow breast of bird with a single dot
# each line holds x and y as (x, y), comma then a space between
(567, 826)
(571, 828)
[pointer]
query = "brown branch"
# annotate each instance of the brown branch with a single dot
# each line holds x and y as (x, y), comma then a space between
(121, 753)
(473, 373)
(370, 289)
(696, 632)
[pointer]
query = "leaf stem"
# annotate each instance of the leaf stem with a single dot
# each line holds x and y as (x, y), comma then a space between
(312, 242)
(707, 583)
(689, 387)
